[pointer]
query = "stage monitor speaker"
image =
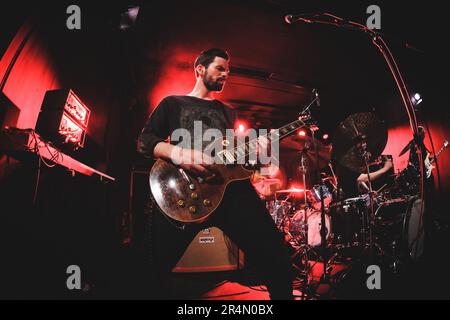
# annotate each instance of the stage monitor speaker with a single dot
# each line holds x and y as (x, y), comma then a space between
(211, 250)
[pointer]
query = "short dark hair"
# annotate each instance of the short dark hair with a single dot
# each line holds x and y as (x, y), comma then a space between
(207, 56)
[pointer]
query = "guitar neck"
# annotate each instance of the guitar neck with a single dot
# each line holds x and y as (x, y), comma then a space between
(439, 152)
(244, 149)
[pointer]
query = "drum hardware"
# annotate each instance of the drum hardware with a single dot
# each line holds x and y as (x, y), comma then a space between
(358, 141)
(305, 216)
(326, 257)
(309, 227)
(378, 41)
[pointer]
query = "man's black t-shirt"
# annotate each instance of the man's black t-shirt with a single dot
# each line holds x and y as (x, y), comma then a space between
(180, 112)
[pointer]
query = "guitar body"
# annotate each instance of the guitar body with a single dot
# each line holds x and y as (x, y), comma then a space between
(186, 198)
(428, 166)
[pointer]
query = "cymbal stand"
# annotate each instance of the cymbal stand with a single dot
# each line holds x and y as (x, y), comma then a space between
(362, 145)
(305, 249)
(326, 277)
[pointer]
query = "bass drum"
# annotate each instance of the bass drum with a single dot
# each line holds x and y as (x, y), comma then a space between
(399, 228)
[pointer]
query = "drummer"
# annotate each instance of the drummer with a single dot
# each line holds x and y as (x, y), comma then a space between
(351, 183)
(381, 175)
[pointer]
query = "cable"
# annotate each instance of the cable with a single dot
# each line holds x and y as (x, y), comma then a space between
(38, 177)
(226, 295)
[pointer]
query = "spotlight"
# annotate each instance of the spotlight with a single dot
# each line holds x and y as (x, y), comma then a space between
(325, 136)
(416, 99)
(128, 18)
(241, 127)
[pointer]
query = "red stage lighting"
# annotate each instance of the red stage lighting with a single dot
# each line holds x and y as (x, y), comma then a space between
(241, 127)
(325, 136)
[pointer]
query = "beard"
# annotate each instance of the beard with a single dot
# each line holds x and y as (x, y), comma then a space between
(211, 84)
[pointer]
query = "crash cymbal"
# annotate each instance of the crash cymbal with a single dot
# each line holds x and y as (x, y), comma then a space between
(296, 146)
(267, 187)
(292, 190)
(352, 133)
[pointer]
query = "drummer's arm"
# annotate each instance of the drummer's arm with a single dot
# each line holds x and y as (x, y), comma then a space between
(363, 178)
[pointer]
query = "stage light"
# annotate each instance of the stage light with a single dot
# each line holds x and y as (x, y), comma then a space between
(302, 133)
(241, 127)
(416, 99)
(128, 18)
(325, 136)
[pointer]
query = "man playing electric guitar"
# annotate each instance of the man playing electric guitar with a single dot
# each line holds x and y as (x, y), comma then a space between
(241, 214)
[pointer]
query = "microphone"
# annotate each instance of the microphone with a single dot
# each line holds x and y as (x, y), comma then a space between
(292, 18)
(316, 93)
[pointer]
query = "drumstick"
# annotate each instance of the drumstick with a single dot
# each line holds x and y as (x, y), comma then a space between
(384, 185)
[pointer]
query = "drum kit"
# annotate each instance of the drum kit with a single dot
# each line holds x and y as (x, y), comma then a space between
(318, 221)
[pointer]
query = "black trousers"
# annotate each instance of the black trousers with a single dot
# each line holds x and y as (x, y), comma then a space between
(243, 217)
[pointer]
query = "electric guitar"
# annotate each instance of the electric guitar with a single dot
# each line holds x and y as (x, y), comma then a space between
(429, 162)
(187, 198)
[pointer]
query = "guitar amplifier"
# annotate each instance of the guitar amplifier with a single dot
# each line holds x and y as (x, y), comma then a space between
(210, 250)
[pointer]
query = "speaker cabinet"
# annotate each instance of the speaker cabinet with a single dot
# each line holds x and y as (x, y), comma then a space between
(211, 250)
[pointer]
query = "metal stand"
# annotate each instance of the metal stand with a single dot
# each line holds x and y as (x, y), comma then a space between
(378, 41)
(369, 243)
(326, 276)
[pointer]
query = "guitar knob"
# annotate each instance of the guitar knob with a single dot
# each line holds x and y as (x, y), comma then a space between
(194, 195)
(192, 186)
(207, 202)
(180, 203)
(192, 209)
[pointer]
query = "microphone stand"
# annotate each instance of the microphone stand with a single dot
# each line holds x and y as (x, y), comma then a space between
(379, 42)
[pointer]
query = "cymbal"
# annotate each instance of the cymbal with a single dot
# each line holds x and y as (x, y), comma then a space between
(267, 187)
(298, 146)
(293, 190)
(352, 133)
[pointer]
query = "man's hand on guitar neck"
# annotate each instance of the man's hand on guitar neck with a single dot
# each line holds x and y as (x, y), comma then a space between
(191, 160)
